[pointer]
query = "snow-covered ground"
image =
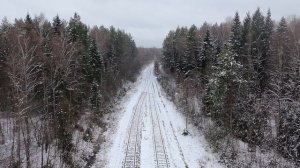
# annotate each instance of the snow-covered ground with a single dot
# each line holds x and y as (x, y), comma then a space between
(50, 156)
(148, 132)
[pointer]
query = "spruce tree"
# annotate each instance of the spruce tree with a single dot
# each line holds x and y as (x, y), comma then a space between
(207, 59)
(246, 41)
(283, 50)
(285, 84)
(220, 97)
(192, 51)
(94, 98)
(266, 52)
(28, 19)
(180, 37)
(168, 52)
(244, 104)
(57, 26)
(78, 31)
(235, 39)
(28, 23)
(95, 63)
(257, 44)
(112, 54)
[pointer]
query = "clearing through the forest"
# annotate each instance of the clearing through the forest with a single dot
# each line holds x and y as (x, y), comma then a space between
(149, 132)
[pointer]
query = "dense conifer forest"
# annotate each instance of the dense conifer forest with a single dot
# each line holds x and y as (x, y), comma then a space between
(245, 74)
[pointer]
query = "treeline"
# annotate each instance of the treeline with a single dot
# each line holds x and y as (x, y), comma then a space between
(247, 73)
(147, 55)
(54, 71)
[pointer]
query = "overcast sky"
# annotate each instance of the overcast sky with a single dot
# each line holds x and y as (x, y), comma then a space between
(148, 21)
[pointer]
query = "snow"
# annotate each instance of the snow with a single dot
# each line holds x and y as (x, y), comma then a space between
(51, 156)
(148, 132)
(158, 136)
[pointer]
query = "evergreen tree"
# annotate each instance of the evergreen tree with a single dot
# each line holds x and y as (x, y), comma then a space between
(28, 23)
(94, 94)
(220, 97)
(112, 54)
(257, 43)
(207, 58)
(28, 19)
(192, 49)
(57, 26)
(95, 63)
(169, 52)
(235, 39)
(266, 52)
(180, 48)
(246, 41)
(284, 82)
(4, 80)
(78, 31)
(282, 47)
(245, 95)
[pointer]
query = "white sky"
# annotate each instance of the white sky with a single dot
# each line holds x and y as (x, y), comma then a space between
(148, 21)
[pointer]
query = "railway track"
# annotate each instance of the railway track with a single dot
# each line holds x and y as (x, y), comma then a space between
(149, 134)
(133, 145)
(161, 157)
(133, 142)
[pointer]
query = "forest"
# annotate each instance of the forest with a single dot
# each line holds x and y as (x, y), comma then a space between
(245, 74)
(77, 96)
(51, 74)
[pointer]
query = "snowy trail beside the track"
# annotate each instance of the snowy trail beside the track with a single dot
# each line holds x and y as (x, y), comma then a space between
(149, 132)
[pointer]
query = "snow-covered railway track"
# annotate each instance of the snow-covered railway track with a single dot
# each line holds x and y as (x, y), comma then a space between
(133, 145)
(161, 157)
(149, 133)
